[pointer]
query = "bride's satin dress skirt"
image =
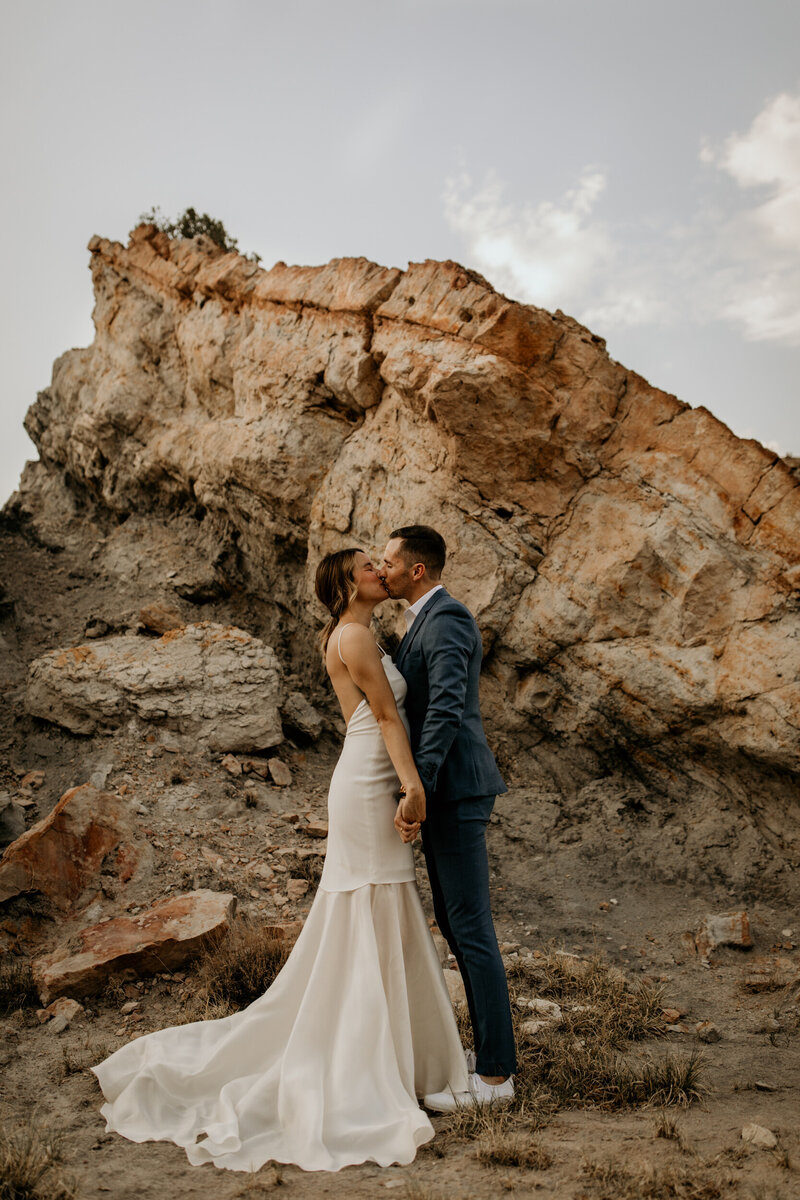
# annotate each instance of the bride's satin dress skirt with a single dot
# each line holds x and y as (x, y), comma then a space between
(324, 1069)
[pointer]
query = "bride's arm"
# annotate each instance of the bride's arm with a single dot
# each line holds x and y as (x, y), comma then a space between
(363, 660)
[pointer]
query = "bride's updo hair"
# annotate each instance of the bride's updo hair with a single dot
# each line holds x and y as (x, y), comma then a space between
(335, 587)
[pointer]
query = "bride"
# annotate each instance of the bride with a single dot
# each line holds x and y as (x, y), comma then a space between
(325, 1068)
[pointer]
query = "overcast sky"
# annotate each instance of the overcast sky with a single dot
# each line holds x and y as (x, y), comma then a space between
(635, 163)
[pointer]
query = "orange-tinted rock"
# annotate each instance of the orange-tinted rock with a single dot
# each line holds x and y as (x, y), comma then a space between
(61, 856)
(162, 938)
(63, 1007)
(280, 772)
(289, 931)
(33, 779)
(160, 618)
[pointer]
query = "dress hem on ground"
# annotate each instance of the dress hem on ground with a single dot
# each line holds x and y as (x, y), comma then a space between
(323, 1070)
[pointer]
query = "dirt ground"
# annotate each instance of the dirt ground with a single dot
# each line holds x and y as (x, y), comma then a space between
(609, 870)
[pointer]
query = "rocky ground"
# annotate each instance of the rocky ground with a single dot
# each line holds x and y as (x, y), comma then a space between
(610, 870)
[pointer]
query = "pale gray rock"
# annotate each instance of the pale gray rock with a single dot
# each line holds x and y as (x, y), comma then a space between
(215, 683)
(759, 1135)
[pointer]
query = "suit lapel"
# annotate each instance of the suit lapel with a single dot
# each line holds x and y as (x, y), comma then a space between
(408, 639)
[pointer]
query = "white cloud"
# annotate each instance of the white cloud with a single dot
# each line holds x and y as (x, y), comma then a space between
(546, 254)
(765, 239)
(769, 153)
(738, 262)
(555, 254)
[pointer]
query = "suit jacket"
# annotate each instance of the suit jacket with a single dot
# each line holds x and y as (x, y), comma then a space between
(440, 660)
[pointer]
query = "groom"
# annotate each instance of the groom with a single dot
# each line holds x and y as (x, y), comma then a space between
(440, 660)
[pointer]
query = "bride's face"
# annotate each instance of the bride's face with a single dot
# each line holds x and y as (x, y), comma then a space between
(365, 577)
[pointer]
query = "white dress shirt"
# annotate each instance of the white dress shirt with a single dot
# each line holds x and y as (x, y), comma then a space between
(413, 610)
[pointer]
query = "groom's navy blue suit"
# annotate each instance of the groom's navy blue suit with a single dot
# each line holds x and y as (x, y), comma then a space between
(440, 659)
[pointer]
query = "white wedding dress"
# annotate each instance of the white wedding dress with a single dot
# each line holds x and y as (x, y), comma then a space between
(324, 1069)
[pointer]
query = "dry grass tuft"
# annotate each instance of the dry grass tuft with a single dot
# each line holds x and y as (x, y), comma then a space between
(17, 988)
(420, 1191)
(596, 999)
(76, 1059)
(512, 1150)
(666, 1126)
(524, 1115)
(578, 1073)
(29, 1161)
(610, 1181)
(238, 967)
(583, 1061)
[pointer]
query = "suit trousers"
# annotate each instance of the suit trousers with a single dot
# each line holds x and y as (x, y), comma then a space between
(454, 843)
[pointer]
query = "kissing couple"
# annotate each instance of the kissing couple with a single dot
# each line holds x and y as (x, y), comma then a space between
(326, 1068)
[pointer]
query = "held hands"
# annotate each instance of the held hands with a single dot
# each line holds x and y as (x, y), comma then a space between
(410, 811)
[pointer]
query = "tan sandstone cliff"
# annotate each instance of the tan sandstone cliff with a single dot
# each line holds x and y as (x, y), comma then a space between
(634, 566)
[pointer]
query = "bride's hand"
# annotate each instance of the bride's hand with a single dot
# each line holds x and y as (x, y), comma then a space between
(410, 812)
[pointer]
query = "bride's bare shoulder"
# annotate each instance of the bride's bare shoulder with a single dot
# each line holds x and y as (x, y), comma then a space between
(353, 638)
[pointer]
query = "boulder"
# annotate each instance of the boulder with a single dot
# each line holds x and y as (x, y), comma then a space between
(63, 854)
(214, 683)
(162, 938)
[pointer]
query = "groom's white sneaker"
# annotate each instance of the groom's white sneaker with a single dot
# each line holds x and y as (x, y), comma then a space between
(479, 1093)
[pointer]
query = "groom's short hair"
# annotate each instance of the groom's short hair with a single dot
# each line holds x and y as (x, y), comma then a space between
(422, 544)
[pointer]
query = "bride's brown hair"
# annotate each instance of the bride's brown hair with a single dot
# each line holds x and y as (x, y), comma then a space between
(335, 587)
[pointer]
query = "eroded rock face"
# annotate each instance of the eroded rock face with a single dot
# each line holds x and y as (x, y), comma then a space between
(215, 683)
(634, 567)
(62, 856)
(162, 938)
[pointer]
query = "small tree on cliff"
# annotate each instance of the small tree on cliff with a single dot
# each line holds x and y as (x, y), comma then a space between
(190, 223)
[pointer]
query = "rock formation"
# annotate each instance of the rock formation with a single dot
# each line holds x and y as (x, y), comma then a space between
(634, 566)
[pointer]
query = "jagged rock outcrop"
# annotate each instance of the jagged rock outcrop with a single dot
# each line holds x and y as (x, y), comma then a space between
(634, 566)
(216, 684)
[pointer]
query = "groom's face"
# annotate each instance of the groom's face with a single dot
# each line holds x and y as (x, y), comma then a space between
(394, 572)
